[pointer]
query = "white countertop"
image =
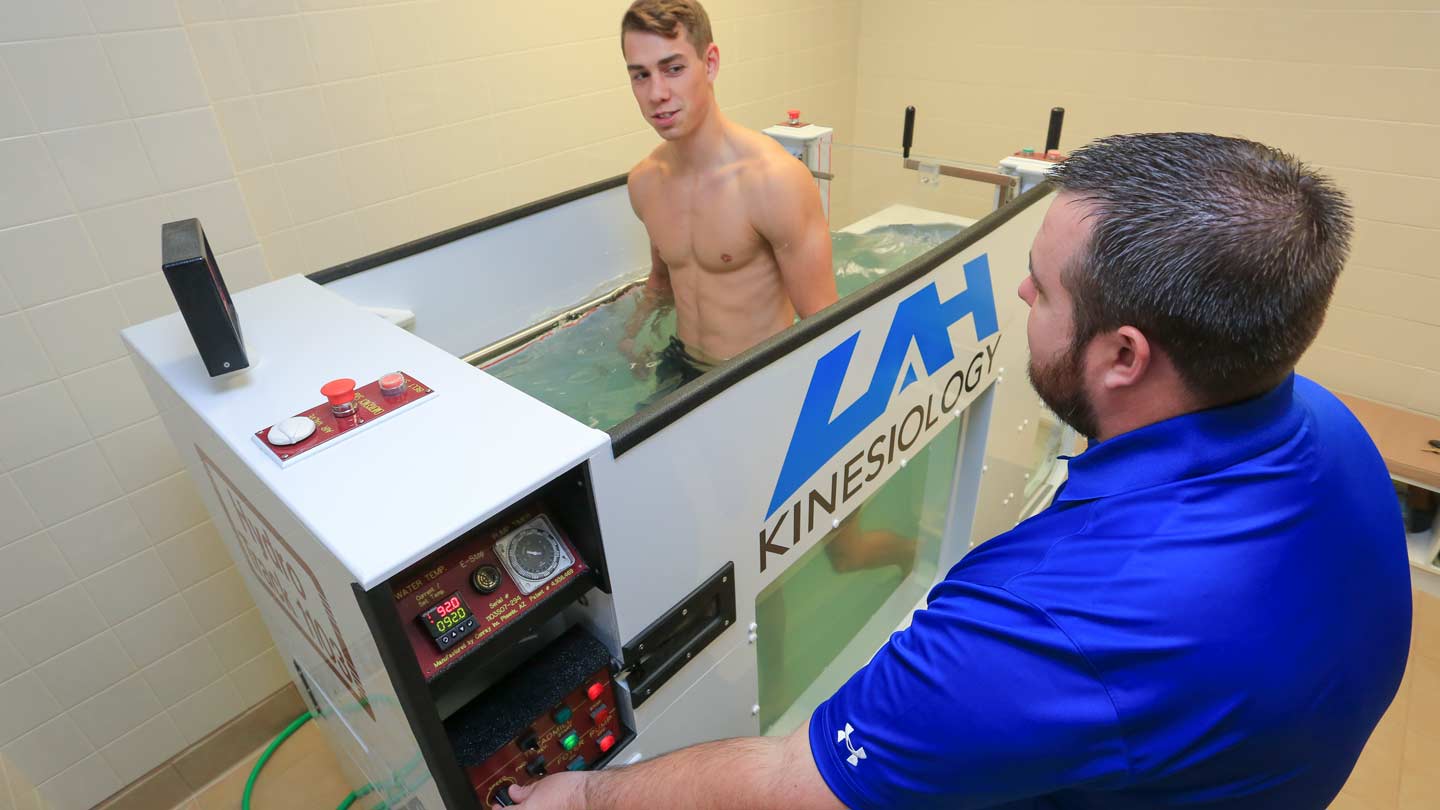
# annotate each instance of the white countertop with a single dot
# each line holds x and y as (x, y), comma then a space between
(387, 496)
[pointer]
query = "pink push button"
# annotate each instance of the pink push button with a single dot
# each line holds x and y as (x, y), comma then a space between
(392, 384)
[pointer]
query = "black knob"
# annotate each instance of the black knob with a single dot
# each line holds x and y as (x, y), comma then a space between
(501, 796)
(486, 579)
(536, 767)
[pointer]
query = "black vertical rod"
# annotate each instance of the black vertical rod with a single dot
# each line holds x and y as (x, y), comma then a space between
(1057, 120)
(909, 136)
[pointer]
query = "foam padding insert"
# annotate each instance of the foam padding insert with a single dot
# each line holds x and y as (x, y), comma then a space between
(493, 719)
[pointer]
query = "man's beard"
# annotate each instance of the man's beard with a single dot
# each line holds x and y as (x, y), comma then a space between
(1061, 386)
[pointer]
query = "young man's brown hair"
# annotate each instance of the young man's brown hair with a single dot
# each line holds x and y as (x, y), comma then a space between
(664, 18)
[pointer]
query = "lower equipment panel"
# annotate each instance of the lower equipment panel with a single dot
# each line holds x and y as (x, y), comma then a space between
(557, 712)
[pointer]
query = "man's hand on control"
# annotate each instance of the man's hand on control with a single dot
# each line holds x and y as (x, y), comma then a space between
(701, 777)
(559, 791)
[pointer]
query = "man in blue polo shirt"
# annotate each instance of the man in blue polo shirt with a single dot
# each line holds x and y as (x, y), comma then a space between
(1215, 611)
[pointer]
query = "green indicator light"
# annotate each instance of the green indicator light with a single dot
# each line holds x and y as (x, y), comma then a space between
(570, 742)
(562, 715)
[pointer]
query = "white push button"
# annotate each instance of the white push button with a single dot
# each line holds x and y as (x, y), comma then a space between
(294, 430)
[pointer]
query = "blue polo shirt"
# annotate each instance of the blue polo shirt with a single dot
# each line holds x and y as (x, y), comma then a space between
(1214, 613)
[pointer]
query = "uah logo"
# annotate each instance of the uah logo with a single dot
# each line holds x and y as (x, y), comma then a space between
(856, 754)
(922, 319)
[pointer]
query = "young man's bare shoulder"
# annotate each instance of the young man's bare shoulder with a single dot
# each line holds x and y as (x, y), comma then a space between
(646, 175)
(772, 170)
(757, 145)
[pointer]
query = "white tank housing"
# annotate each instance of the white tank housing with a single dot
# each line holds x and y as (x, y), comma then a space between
(812, 145)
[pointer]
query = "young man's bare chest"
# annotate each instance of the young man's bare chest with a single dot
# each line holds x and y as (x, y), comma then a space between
(704, 223)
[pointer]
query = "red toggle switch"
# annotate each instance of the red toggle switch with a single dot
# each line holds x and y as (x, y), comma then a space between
(595, 691)
(607, 742)
(600, 715)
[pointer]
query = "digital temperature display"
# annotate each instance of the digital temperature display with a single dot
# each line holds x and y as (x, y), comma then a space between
(448, 621)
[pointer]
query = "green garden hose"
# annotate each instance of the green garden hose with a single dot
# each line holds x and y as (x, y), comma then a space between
(355, 795)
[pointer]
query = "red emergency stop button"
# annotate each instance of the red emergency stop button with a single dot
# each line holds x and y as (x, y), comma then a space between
(595, 691)
(339, 391)
(607, 742)
(341, 394)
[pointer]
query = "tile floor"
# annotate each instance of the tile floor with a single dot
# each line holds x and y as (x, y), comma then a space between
(302, 774)
(1400, 767)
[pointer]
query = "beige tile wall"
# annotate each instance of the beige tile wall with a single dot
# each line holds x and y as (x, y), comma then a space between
(358, 128)
(302, 133)
(1352, 86)
(113, 583)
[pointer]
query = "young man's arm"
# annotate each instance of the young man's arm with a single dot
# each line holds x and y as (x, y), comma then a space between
(656, 290)
(746, 773)
(792, 220)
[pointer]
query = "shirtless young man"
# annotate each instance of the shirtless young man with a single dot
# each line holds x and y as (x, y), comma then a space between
(737, 233)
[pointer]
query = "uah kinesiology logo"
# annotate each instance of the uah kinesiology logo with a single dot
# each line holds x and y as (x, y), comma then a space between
(922, 320)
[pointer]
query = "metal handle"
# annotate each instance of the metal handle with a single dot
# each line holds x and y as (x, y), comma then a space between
(908, 138)
(1006, 183)
(1057, 120)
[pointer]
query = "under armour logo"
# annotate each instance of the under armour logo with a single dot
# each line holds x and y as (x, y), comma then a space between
(856, 754)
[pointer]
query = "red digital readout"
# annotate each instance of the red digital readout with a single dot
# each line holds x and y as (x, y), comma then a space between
(446, 616)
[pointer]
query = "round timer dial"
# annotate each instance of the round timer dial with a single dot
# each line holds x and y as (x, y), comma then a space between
(533, 554)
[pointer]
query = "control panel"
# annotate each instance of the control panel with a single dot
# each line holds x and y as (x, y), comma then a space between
(346, 411)
(576, 734)
(558, 711)
(450, 604)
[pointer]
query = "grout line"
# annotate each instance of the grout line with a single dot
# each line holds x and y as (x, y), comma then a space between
(73, 584)
(52, 454)
(1407, 273)
(115, 77)
(1386, 315)
(20, 97)
(1030, 51)
(1427, 228)
(1371, 359)
(25, 502)
(94, 32)
(154, 546)
(1152, 100)
(107, 122)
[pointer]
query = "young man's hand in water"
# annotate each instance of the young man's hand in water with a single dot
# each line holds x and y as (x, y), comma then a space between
(639, 359)
(855, 549)
(650, 300)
